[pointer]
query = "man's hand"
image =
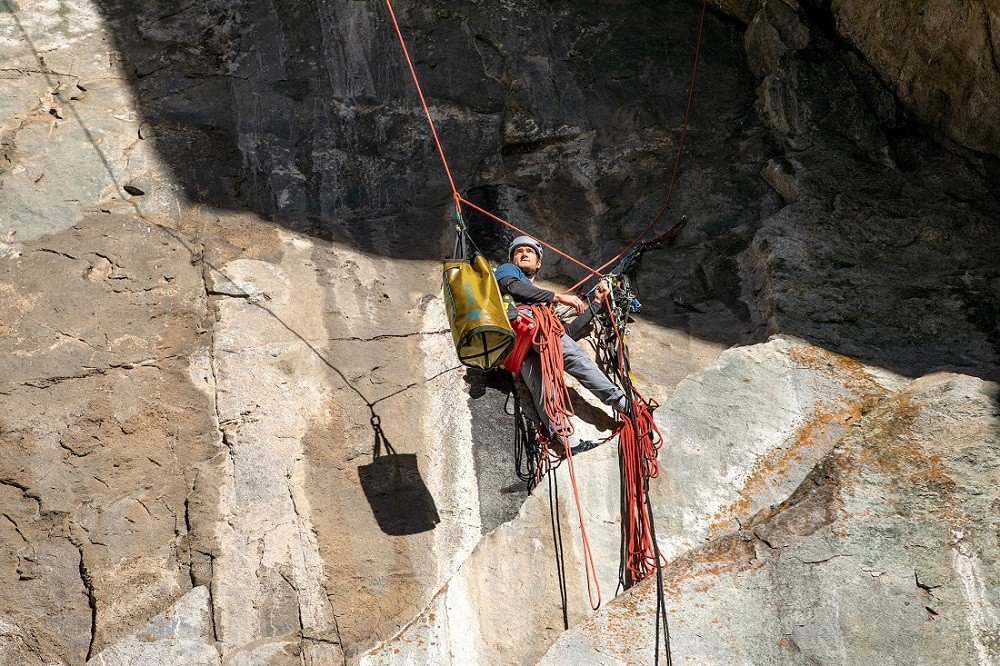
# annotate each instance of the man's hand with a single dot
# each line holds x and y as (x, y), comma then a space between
(601, 290)
(573, 301)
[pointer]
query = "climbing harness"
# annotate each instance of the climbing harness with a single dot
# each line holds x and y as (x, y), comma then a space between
(524, 328)
(639, 438)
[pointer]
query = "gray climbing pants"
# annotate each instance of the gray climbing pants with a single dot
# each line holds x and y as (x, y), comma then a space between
(578, 364)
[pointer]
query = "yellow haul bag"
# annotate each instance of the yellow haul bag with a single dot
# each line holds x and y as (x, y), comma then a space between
(478, 318)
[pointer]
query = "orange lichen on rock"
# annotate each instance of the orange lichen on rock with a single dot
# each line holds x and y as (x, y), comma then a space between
(777, 472)
(728, 554)
(695, 572)
(845, 369)
(892, 447)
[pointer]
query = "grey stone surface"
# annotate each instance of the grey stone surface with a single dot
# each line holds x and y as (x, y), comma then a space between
(69, 131)
(743, 434)
(884, 236)
(886, 554)
(740, 437)
(183, 634)
(948, 73)
(219, 228)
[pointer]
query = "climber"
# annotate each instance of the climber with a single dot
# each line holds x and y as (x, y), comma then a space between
(515, 278)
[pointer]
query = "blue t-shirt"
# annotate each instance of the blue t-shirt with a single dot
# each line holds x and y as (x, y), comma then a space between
(510, 270)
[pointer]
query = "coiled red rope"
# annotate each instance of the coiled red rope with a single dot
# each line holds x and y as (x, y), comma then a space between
(547, 341)
(558, 408)
(638, 441)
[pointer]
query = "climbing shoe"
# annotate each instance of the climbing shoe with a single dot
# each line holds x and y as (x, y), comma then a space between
(584, 445)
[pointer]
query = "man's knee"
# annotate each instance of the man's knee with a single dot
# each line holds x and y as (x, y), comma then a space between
(573, 354)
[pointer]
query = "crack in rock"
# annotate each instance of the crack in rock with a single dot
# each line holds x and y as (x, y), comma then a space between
(88, 584)
(46, 382)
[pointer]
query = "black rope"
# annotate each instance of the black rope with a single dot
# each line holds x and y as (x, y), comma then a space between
(463, 240)
(623, 575)
(525, 444)
(661, 600)
(526, 466)
(381, 441)
(558, 542)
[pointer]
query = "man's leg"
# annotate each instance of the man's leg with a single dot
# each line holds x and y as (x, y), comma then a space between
(531, 373)
(579, 364)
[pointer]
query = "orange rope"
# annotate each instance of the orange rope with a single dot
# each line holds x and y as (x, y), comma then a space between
(558, 408)
(522, 231)
(459, 200)
(639, 438)
(639, 441)
(556, 401)
(423, 102)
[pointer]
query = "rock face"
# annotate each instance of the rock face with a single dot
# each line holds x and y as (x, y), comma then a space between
(938, 58)
(241, 457)
(857, 255)
(894, 528)
(111, 475)
(948, 72)
(235, 430)
(741, 436)
(180, 635)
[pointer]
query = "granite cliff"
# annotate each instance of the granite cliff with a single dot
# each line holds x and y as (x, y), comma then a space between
(220, 228)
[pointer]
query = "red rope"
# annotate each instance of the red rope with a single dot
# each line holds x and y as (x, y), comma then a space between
(639, 441)
(556, 401)
(459, 200)
(423, 102)
(522, 231)
(558, 407)
(639, 438)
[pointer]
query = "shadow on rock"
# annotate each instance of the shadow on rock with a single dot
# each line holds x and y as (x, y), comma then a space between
(399, 498)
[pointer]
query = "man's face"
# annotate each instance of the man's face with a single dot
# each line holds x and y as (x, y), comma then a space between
(525, 258)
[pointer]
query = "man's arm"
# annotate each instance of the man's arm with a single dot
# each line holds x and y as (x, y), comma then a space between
(575, 327)
(524, 292)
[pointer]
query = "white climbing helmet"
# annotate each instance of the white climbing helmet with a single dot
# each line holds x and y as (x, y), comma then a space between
(525, 240)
